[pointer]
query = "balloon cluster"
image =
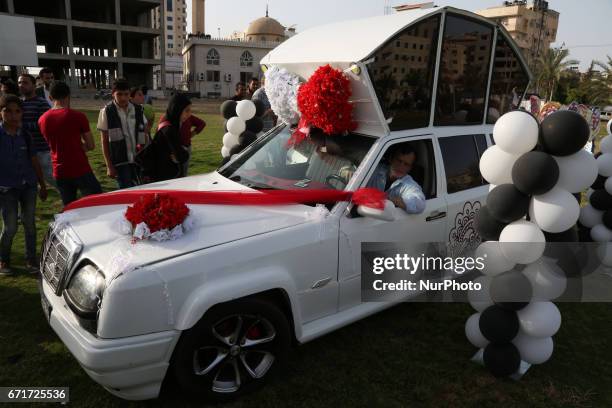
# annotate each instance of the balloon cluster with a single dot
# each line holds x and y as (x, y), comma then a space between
(242, 124)
(597, 215)
(533, 170)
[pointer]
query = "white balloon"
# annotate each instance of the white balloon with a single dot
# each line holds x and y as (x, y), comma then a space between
(236, 125)
(533, 350)
(522, 242)
(577, 171)
(516, 132)
(472, 331)
(224, 152)
(605, 144)
(608, 185)
(540, 319)
(589, 216)
(604, 163)
(496, 165)
(547, 279)
(230, 140)
(554, 211)
(481, 299)
(600, 233)
(491, 187)
(246, 109)
(609, 127)
(494, 260)
(604, 253)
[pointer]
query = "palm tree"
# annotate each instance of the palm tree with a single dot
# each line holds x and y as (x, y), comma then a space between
(606, 77)
(550, 66)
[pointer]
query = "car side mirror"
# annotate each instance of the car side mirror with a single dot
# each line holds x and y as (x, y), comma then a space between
(383, 215)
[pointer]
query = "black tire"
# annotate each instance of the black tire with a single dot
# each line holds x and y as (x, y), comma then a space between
(210, 340)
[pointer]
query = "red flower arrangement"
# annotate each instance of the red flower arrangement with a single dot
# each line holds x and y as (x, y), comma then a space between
(157, 211)
(324, 103)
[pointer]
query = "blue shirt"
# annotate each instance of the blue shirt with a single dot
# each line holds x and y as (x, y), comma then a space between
(406, 188)
(16, 154)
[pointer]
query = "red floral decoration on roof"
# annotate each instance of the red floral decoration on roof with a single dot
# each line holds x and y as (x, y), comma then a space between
(324, 103)
(158, 211)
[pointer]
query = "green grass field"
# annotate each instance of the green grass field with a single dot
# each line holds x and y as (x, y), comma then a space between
(410, 355)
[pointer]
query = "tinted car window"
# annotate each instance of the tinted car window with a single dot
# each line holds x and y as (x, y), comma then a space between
(508, 82)
(461, 155)
(464, 71)
(402, 73)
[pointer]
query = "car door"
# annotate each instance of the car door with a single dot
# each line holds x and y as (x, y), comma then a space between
(424, 228)
(465, 188)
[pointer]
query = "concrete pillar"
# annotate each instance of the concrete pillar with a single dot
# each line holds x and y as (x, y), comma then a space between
(119, 44)
(11, 6)
(162, 44)
(72, 72)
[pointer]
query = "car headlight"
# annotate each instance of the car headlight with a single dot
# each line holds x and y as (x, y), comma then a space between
(85, 290)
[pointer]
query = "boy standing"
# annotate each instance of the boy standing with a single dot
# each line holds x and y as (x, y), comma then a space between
(69, 137)
(19, 172)
(122, 126)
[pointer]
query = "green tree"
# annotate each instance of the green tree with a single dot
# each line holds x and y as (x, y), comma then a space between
(550, 67)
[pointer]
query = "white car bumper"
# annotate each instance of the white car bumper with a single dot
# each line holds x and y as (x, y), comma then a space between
(131, 368)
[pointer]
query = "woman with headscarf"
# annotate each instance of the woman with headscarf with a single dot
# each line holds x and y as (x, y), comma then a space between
(166, 155)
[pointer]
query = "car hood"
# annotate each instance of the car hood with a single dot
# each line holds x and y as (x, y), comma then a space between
(98, 227)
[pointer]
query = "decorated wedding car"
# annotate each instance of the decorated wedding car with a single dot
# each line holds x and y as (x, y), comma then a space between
(265, 252)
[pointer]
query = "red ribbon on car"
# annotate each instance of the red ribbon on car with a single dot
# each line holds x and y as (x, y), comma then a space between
(369, 197)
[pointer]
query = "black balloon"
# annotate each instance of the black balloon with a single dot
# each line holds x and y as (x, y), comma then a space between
(511, 290)
(570, 235)
(246, 138)
(260, 107)
(601, 200)
(487, 226)
(228, 109)
(498, 325)
(502, 360)
(507, 204)
(607, 219)
(535, 173)
(236, 149)
(564, 132)
(255, 124)
(225, 126)
(599, 182)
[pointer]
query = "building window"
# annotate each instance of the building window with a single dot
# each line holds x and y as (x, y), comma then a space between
(246, 59)
(169, 27)
(169, 5)
(169, 18)
(213, 76)
(462, 86)
(245, 77)
(212, 58)
(170, 37)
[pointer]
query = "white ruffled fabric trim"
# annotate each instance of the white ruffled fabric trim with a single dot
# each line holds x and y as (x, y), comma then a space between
(282, 90)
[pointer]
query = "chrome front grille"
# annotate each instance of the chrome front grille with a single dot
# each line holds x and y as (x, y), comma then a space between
(59, 251)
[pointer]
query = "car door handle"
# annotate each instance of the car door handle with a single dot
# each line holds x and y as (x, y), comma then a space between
(436, 215)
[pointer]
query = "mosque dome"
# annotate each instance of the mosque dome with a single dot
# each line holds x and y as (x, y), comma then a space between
(265, 29)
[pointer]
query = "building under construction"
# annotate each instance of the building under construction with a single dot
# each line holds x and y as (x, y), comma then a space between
(89, 42)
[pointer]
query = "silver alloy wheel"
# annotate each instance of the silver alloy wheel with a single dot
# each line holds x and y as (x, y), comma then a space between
(244, 352)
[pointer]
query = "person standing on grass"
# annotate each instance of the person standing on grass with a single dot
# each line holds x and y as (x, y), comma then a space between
(19, 172)
(69, 136)
(33, 108)
(122, 126)
(240, 93)
(137, 97)
(165, 159)
(47, 78)
(189, 128)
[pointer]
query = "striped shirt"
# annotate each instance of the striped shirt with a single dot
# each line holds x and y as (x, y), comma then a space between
(33, 109)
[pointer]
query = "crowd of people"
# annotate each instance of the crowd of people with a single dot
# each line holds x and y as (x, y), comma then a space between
(44, 142)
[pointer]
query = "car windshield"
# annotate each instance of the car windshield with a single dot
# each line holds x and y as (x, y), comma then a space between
(317, 162)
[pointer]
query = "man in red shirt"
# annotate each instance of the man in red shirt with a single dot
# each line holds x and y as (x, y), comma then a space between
(191, 127)
(69, 137)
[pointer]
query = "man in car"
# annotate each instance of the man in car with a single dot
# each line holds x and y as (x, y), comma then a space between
(393, 178)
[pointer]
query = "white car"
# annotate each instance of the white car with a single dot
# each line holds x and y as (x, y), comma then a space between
(219, 308)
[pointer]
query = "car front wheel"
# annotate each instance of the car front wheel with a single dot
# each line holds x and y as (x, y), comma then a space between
(232, 350)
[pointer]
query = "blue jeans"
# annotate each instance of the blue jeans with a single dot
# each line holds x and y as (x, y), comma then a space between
(10, 201)
(127, 175)
(88, 184)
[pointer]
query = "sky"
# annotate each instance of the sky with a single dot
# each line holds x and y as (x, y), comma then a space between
(584, 25)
